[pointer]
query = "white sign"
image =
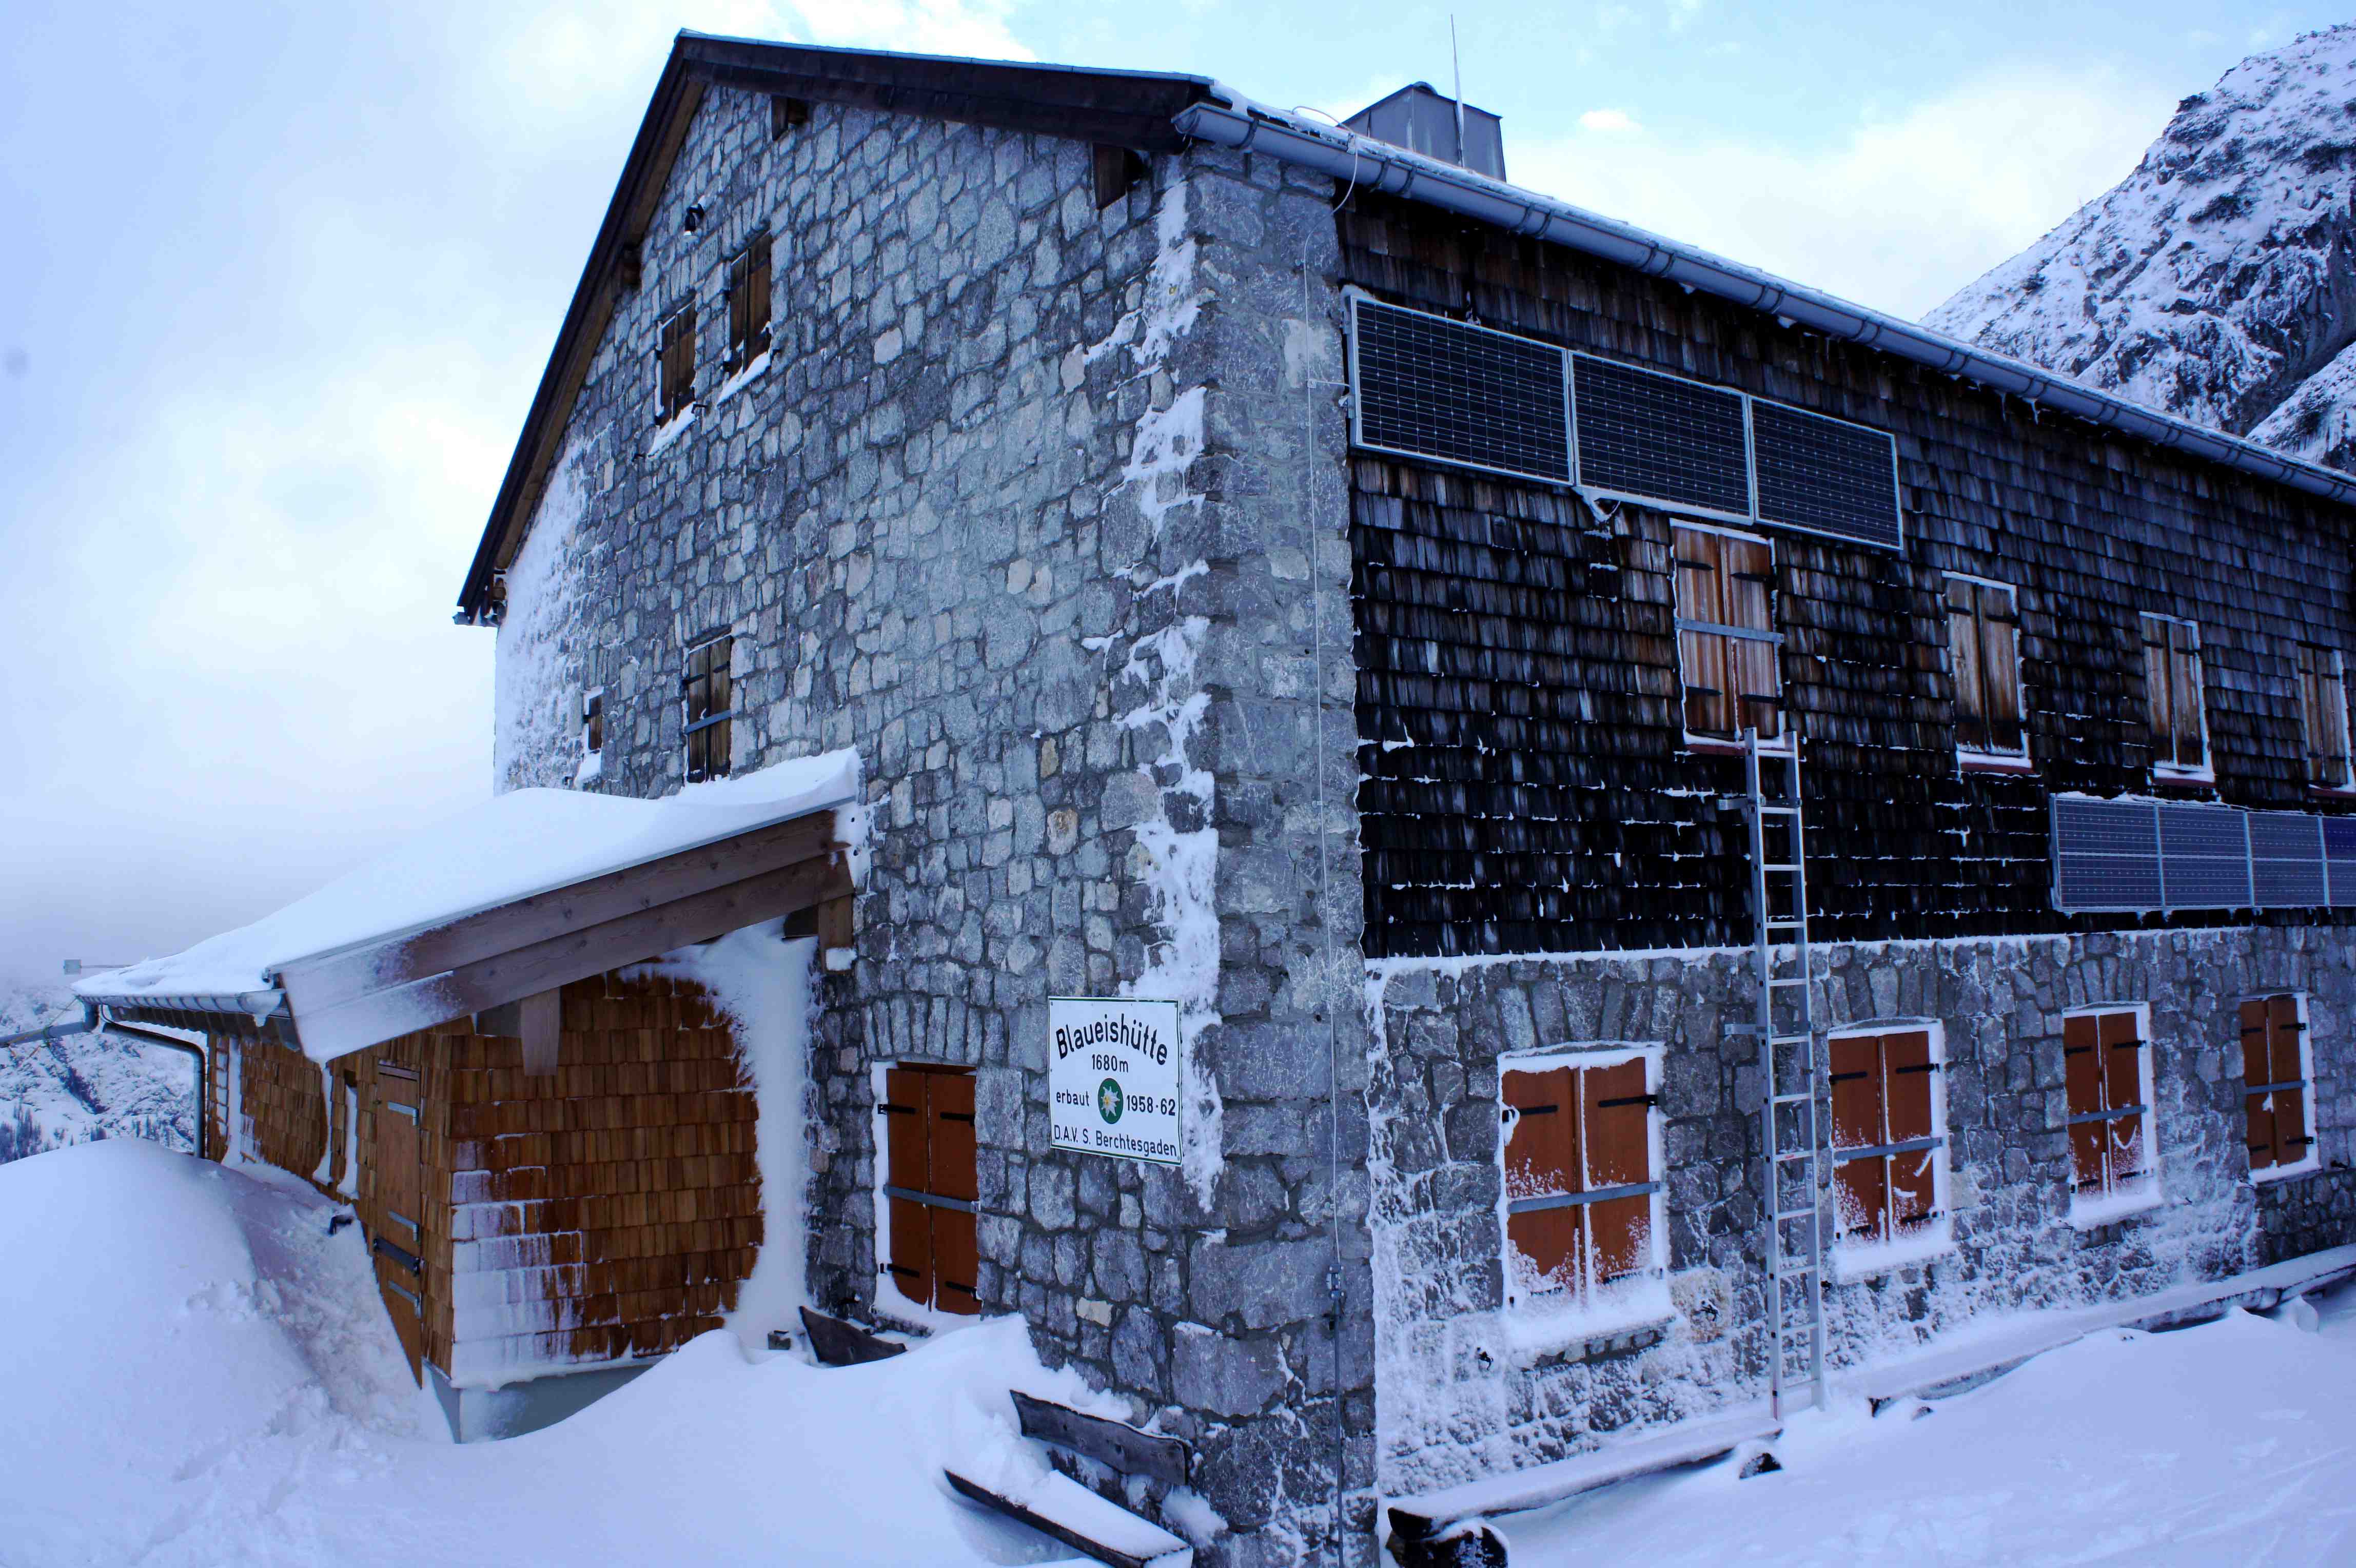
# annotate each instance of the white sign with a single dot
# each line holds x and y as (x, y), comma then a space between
(1113, 1068)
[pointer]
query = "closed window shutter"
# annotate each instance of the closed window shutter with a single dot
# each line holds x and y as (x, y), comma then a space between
(907, 1116)
(2257, 1066)
(1907, 1070)
(2288, 1066)
(2184, 648)
(2159, 706)
(1709, 680)
(2081, 1075)
(1963, 649)
(1616, 1130)
(951, 1166)
(1542, 1159)
(757, 298)
(2123, 1087)
(1999, 625)
(1750, 604)
(1862, 1186)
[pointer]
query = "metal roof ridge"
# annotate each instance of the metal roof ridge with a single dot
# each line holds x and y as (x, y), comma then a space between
(1248, 125)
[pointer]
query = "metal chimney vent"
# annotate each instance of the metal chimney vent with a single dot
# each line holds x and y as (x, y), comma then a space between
(1424, 121)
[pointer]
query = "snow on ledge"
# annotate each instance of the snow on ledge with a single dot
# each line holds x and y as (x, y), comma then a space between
(509, 847)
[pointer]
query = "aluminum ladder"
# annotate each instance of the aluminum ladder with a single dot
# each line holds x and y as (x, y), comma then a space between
(1784, 1028)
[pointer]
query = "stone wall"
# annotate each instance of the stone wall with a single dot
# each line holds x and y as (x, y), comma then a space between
(1465, 1386)
(1039, 508)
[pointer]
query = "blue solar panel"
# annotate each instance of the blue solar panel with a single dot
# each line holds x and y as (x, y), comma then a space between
(2340, 859)
(2287, 859)
(1431, 387)
(2105, 855)
(2204, 857)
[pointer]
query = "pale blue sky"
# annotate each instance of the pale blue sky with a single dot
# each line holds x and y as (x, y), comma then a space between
(281, 280)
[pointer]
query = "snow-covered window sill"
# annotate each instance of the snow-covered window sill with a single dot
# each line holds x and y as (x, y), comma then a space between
(674, 430)
(2331, 792)
(2188, 778)
(1993, 762)
(2093, 1214)
(1855, 1261)
(2306, 1166)
(1630, 1315)
(750, 373)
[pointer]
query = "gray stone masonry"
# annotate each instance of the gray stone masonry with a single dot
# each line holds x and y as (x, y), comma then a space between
(1459, 1394)
(1040, 508)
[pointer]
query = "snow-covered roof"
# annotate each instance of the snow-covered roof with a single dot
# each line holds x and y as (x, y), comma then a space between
(510, 848)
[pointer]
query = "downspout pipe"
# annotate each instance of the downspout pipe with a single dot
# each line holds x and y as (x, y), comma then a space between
(94, 1021)
(1377, 165)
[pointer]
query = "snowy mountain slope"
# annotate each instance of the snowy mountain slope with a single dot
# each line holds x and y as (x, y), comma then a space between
(85, 1087)
(2218, 280)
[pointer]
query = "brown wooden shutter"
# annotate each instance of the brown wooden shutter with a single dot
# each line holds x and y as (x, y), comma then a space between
(1999, 628)
(2123, 1086)
(1755, 666)
(909, 1165)
(953, 1174)
(757, 298)
(2288, 1066)
(2257, 1063)
(740, 310)
(2184, 650)
(2159, 707)
(1702, 656)
(1614, 1114)
(1862, 1186)
(1907, 1071)
(1963, 652)
(2082, 1077)
(1541, 1158)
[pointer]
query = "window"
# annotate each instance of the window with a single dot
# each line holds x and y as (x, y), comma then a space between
(786, 114)
(1889, 1155)
(710, 690)
(2171, 683)
(677, 365)
(1983, 655)
(2276, 1075)
(1726, 641)
(2106, 1071)
(593, 723)
(748, 306)
(1581, 1203)
(2323, 717)
(931, 1254)
(1115, 169)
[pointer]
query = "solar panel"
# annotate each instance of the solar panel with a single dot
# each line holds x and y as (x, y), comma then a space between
(2105, 855)
(1424, 386)
(2287, 859)
(1660, 437)
(2340, 859)
(1825, 475)
(2204, 857)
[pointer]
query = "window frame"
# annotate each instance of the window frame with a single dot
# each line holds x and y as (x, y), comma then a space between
(2331, 701)
(1587, 1292)
(2204, 771)
(2142, 1191)
(1691, 629)
(2312, 1160)
(722, 721)
(1860, 1256)
(1993, 757)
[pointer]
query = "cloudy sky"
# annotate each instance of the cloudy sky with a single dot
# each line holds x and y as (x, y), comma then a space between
(280, 281)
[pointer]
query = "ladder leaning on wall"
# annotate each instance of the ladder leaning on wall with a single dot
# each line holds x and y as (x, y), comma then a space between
(1784, 1027)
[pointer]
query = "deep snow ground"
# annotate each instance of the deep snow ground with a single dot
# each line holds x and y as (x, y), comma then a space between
(193, 1371)
(2233, 1442)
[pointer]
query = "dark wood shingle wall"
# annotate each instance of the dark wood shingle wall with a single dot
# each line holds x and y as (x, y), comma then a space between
(1528, 786)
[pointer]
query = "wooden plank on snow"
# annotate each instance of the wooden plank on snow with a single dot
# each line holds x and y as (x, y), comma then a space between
(1111, 1443)
(1060, 1507)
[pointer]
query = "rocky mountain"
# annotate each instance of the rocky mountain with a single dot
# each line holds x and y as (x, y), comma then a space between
(2218, 280)
(83, 1087)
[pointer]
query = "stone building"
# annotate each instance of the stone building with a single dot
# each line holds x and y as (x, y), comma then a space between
(1289, 576)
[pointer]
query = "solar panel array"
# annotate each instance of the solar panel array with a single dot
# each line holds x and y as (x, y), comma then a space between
(1430, 387)
(1427, 386)
(1663, 437)
(1826, 475)
(2145, 854)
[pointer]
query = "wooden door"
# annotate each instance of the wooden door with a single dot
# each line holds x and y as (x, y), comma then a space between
(394, 1203)
(930, 1186)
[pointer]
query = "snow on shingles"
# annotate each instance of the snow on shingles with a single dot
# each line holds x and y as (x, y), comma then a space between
(516, 844)
(2234, 1442)
(2207, 282)
(198, 1373)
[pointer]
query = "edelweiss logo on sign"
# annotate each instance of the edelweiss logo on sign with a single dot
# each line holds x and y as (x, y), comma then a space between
(1113, 1068)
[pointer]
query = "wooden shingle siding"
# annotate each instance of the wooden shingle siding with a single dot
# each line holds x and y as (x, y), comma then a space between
(1528, 786)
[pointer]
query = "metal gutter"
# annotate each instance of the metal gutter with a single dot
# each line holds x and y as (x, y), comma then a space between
(1377, 165)
(194, 1052)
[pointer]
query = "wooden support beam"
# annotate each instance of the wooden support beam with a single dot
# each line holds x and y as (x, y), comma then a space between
(1109, 1442)
(838, 1344)
(1150, 1545)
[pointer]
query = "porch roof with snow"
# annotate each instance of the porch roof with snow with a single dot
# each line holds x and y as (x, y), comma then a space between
(1160, 112)
(528, 891)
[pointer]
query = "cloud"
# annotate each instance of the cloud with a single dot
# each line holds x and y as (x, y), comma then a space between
(1897, 214)
(1608, 120)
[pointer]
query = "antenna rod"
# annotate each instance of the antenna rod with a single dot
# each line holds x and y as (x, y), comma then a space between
(1456, 60)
